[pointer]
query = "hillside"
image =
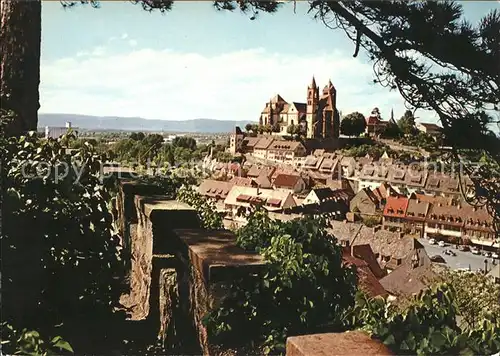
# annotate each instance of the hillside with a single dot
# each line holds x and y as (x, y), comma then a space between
(138, 124)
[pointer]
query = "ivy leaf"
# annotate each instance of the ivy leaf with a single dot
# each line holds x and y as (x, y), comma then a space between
(438, 340)
(63, 345)
(389, 340)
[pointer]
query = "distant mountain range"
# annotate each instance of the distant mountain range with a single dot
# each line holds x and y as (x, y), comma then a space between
(116, 123)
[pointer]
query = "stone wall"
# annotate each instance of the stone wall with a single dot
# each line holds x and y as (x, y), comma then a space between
(155, 216)
(178, 272)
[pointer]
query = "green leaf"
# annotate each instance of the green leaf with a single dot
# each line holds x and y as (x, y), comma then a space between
(389, 340)
(437, 340)
(61, 344)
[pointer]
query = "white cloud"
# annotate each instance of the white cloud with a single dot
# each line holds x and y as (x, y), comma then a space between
(231, 86)
(124, 36)
(132, 43)
(99, 51)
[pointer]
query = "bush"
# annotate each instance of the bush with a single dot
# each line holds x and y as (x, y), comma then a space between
(60, 257)
(426, 325)
(266, 308)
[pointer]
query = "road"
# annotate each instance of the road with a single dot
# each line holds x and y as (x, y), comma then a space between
(461, 260)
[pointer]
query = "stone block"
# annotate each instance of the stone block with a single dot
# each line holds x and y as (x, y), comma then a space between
(208, 259)
(125, 204)
(352, 343)
(216, 256)
(156, 217)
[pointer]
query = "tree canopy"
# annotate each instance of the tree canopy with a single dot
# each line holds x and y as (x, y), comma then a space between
(407, 123)
(353, 124)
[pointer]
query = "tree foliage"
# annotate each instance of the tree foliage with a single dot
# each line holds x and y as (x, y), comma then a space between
(477, 297)
(427, 325)
(391, 131)
(69, 254)
(265, 308)
(353, 124)
(184, 142)
(407, 123)
(30, 342)
(206, 209)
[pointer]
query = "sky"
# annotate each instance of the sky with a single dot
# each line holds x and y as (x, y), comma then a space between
(196, 62)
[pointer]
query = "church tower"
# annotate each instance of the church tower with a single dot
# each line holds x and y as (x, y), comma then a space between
(312, 108)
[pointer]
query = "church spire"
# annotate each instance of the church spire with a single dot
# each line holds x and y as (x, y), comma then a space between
(313, 83)
(392, 114)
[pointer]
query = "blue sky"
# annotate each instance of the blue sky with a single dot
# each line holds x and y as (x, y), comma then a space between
(196, 62)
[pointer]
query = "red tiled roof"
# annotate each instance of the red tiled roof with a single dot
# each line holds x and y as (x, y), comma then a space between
(396, 206)
(366, 279)
(241, 181)
(243, 197)
(286, 180)
(274, 201)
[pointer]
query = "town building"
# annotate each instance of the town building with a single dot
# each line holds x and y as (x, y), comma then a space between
(414, 274)
(56, 132)
(374, 123)
(324, 195)
(245, 197)
(416, 213)
(285, 151)
(394, 213)
(429, 128)
(365, 202)
(236, 140)
(288, 182)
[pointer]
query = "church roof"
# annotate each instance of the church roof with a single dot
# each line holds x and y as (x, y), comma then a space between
(278, 99)
(301, 107)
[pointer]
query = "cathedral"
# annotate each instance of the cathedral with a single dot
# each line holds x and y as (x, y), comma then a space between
(318, 118)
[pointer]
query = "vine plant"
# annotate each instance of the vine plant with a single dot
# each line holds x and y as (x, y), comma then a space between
(304, 286)
(60, 259)
(427, 325)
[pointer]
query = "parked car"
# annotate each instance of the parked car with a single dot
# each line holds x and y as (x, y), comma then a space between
(441, 244)
(495, 255)
(475, 251)
(463, 248)
(450, 253)
(432, 242)
(486, 254)
(438, 259)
